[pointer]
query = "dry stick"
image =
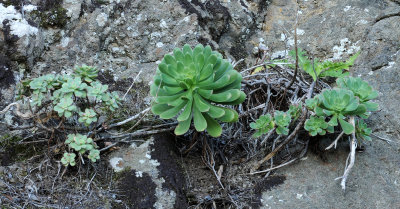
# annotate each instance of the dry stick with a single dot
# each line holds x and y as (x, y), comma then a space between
(297, 61)
(284, 164)
(133, 82)
(352, 155)
(384, 139)
(130, 119)
(208, 155)
(334, 143)
(267, 136)
(136, 134)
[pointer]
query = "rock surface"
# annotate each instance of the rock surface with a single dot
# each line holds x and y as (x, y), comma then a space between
(123, 38)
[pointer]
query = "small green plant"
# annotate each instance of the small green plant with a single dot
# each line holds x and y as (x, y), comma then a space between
(325, 68)
(68, 159)
(81, 144)
(351, 98)
(362, 130)
(262, 125)
(316, 125)
(280, 121)
(198, 82)
(79, 95)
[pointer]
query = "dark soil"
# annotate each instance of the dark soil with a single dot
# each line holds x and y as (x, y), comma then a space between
(165, 152)
(138, 191)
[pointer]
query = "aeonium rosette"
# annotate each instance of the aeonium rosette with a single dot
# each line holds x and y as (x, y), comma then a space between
(194, 84)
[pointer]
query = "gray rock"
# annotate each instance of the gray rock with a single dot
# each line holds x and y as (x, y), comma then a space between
(123, 37)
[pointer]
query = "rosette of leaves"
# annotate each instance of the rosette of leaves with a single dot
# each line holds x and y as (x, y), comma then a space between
(87, 117)
(263, 125)
(316, 125)
(41, 86)
(362, 130)
(193, 84)
(65, 107)
(68, 159)
(282, 121)
(87, 73)
(361, 89)
(74, 85)
(111, 100)
(94, 155)
(339, 103)
(97, 90)
(79, 143)
(294, 111)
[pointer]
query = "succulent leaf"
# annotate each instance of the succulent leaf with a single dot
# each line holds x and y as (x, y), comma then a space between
(262, 125)
(362, 130)
(196, 81)
(316, 125)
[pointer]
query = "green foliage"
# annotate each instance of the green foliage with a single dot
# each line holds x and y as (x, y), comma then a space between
(361, 89)
(351, 98)
(81, 144)
(282, 121)
(66, 107)
(87, 117)
(79, 95)
(68, 159)
(196, 81)
(362, 130)
(64, 91)
(262, 125)
(87, 73)
(316, 125)
(325, 68)
(295, 111)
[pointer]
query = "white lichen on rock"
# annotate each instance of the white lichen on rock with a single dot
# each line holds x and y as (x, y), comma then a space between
(102, 19)
(18, 25)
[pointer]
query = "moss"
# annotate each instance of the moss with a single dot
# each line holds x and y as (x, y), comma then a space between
(100, 2)
(56, 17)
(118, 175)
(16, 152)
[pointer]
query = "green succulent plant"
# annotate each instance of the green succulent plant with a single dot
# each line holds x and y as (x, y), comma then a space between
(361, 89)
(111, 100)
(87, 73)
(79, 143)
(263, 125)
(316, 125)
(68, 159)
(74, 86)
(97, 90)
(196, 81)
(282, 121)
(362, 130)
(36, 99)
(295, 111)
(87, 117)
(65, 107)
(94, 155)
(337, 103)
